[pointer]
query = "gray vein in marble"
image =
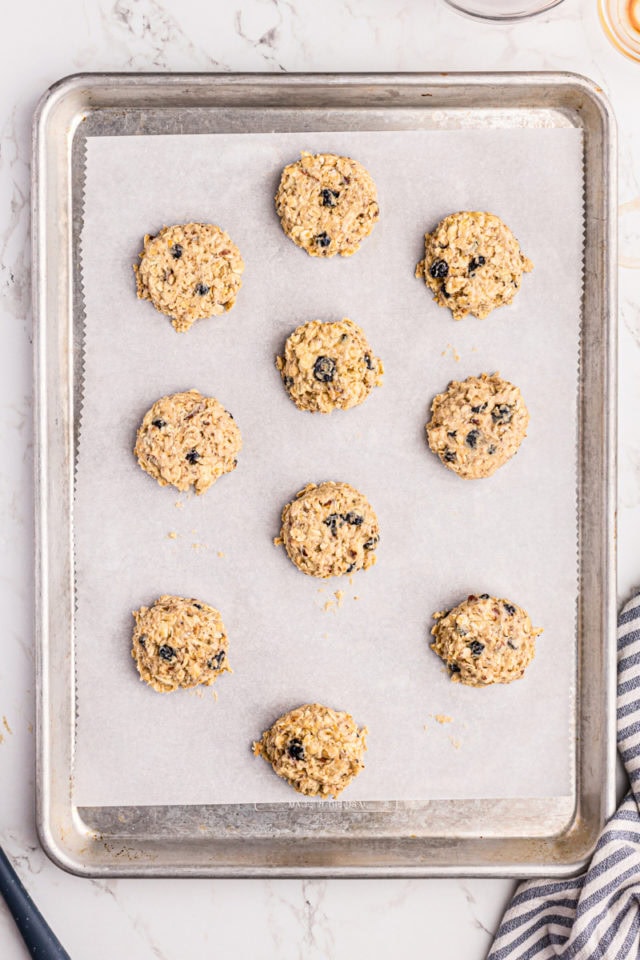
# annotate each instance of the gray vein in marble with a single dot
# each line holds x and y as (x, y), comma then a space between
(273, 914)
(156, 36)
(29, 862)
(155, 949)
(472, 904)
(402, 889)
(318, 935)
(107, 886)
(24, 864)
(630, 312)
(373, 22)
(15, 288)
(265, 44)
(111, 889)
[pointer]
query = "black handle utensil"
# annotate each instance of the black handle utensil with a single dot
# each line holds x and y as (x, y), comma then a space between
(40, 940)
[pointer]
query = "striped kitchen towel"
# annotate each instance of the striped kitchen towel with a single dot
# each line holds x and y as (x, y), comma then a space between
(595, 916)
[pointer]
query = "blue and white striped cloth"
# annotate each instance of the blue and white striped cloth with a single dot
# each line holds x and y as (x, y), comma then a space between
(595, 916)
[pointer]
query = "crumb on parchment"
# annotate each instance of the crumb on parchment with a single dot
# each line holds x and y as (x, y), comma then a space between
(334, 602)
(454, 352)
(440, 718)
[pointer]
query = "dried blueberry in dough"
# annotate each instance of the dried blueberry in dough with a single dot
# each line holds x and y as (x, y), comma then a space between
(485, 640)
(477, 425)
(179, 642)
(189, 271)
(329, 530)
(472, 263)
(327, 204)
(187, 439)
(329, 366)
(315, 749)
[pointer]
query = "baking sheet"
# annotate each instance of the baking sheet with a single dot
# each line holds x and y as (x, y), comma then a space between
(513, 535)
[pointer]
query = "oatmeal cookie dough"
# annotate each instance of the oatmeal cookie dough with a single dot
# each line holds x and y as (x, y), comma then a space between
(329, 530)
(189, 271)
(329, 366)
(485, 640)
(179, 643)
(477, 425)
(187, 439)
(472, 263)
(327, 204)
(317, 750)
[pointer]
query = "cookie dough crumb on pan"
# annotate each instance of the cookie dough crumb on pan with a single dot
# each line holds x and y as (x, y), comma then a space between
(329, 366)
(317, 750)
(179, 642)
(477, 425)
(329, 530)
(485, 640)
(472, 264)
(327, 204)
(189, 271)
(186, 439)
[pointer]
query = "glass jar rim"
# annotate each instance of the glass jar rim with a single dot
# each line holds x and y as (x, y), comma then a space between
(528, 8)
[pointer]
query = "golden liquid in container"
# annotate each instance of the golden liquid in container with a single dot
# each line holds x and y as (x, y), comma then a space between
(621, 22)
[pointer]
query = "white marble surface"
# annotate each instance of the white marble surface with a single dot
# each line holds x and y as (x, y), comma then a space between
(42, 41)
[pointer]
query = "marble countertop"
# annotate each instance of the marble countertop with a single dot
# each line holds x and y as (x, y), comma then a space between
(43, 41)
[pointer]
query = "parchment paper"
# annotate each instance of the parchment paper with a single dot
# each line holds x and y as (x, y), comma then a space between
(514, 535)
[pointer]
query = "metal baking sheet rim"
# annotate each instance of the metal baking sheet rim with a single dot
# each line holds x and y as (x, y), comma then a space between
(86, 843)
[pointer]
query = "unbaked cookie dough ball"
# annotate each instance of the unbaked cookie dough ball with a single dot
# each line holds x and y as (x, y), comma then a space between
(189, 272)
(477, 425)
(186, 439)
(472, 263)
(485, 640)
(329, 366)
(327, 204)
(329, 530)
(179, 643)
(317, 750)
